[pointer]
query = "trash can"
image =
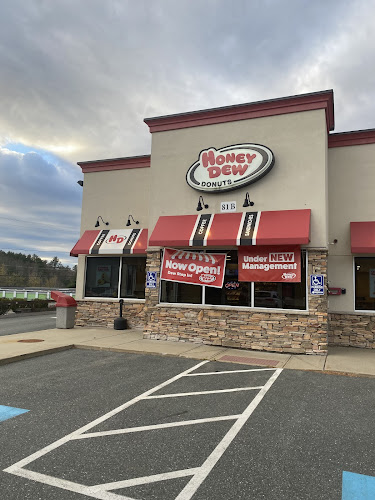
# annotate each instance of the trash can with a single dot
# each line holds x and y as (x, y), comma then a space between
(65, 309)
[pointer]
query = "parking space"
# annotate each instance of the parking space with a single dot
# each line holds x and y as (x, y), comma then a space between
(112, 426)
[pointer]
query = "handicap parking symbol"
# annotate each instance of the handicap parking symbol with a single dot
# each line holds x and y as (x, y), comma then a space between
(317, 284)
(151, 279)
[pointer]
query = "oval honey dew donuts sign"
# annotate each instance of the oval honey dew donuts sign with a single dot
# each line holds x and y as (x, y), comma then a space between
(230, 167)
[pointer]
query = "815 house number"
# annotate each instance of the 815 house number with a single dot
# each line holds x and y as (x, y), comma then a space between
(228, 206)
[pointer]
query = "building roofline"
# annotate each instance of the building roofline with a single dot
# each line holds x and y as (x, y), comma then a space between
(272, 107)
(124, 163)
(351, 138)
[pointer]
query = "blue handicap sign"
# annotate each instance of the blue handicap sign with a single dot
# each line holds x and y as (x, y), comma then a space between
(317, 284)
(151, 279)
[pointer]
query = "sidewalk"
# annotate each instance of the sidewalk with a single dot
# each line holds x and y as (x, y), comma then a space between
(348, 360)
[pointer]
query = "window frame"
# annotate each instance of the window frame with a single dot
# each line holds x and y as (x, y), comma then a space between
(121, 257)
(247, 308)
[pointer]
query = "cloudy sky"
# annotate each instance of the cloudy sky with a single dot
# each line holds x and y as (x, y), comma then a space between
(77, 77)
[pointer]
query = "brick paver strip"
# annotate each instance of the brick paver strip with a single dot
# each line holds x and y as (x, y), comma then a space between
(250, 361)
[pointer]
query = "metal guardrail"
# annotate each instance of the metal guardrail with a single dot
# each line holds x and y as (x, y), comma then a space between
(30, 293)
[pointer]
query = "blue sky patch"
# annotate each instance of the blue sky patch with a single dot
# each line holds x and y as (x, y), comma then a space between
(10, 412)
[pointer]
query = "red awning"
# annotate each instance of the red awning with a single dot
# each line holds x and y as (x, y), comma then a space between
(111, 242)
(362, 237)
(282, 227)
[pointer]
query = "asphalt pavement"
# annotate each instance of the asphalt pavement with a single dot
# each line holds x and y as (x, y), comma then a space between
(27, 322)
(117, 425)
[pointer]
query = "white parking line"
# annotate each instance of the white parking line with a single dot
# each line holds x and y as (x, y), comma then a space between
(145, 479)
(98, 421)
(156, 426)
(199, 393)
(102, 491)
(229, 371)
(208, 465)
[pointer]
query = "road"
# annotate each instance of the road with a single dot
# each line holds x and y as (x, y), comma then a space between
(129, 426)
(27, 322)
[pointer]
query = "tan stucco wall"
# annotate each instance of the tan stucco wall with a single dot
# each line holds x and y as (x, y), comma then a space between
(114, 195)
(297, 181)
(351, 181)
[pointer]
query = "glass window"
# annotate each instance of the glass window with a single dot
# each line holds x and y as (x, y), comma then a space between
(182, 293)
(364, 270)
(133, 277)
(233, 293)
(102, 277)
(282, 295)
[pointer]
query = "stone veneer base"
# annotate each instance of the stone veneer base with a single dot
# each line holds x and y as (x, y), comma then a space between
(352, 330)
(98, 313)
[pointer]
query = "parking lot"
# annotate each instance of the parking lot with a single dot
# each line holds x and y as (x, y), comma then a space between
(111, 426)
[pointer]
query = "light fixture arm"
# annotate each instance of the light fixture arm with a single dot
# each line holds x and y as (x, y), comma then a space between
(97, 224)
(247, 202)
(201, 204)
(129, 221)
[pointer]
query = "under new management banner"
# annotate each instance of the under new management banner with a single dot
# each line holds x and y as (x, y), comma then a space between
(193, 267)
(273, 263)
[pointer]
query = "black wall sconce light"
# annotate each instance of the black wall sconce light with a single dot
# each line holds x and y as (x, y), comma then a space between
(247, 202)
(97, 224)
(201, 204)
(80, 183)
(129, 221)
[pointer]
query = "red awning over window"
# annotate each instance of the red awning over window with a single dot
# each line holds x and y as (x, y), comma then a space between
(111, 242)
(283, 227)
(362, 237)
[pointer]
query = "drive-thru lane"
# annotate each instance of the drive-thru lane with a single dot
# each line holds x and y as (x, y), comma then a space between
(107, 425)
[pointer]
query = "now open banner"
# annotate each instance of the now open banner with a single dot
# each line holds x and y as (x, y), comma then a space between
(193, 267)
(269, 263)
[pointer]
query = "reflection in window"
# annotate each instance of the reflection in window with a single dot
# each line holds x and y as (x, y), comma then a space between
(181, 293)
(364, 269)
(282, 295)
(102, 277)
(133, 276)
(233, 293)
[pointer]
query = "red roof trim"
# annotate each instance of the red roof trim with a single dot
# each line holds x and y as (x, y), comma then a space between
(115, 164)
(354, 138)
(273, 107)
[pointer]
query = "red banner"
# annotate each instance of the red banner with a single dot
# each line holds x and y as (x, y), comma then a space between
(273, 263)
(193, 267)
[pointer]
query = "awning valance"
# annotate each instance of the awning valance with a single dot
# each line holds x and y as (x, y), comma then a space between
(111, 242)
(280, 227)
(362, 237)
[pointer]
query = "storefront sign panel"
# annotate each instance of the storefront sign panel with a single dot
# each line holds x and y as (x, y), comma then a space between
(269, 263)
(193, 267)
(115, 241)
(230, 167)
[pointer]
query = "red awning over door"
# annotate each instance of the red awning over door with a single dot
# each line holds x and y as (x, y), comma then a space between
(282, 227)
(362, 237)
(111, 242)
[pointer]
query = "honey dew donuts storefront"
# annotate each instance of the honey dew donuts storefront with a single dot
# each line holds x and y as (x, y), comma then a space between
(223, 235)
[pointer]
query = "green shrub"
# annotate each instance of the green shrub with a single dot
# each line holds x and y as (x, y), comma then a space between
(19, 304)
